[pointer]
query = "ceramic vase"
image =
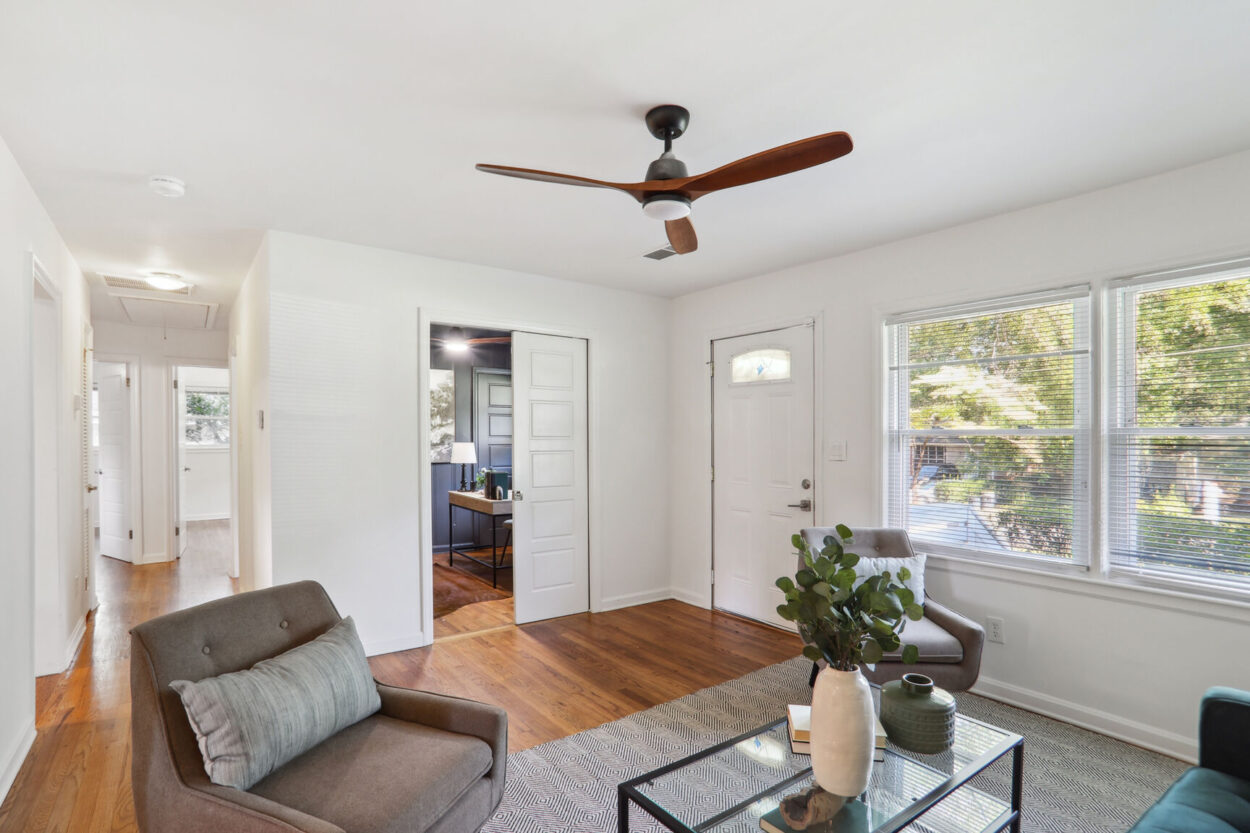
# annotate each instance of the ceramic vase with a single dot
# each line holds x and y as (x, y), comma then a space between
(842, 732)
(917, 715)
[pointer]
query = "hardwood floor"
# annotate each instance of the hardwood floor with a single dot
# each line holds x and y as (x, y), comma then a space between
(554, 678)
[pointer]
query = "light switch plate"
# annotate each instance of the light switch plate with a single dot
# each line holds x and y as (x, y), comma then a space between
(837, 450)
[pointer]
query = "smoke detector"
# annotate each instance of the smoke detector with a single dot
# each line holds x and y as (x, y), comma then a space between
(167, 186)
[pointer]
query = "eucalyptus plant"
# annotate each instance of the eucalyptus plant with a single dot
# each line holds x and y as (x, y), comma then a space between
(840, 621)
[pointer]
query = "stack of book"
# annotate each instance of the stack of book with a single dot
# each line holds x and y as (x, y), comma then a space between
(800, 723)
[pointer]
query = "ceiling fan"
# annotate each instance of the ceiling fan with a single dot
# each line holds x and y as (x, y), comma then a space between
(668, 191)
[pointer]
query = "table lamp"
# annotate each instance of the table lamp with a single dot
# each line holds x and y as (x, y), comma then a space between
(463, 453)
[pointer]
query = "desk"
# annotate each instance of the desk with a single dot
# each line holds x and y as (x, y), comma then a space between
(479, 503)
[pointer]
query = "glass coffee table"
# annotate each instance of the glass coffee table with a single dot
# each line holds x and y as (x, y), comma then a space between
(727, 787)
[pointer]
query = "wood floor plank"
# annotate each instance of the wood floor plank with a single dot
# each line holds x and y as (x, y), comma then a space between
(555, 678)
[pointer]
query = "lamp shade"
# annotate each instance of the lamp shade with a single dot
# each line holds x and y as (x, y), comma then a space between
(463, 453)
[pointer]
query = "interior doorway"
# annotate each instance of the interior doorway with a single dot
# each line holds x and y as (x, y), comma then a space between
(113, 437)
(763, 459)
(202, 471)
(471, 436)
(509, 475)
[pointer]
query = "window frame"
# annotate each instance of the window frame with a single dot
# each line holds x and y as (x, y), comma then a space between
(1118, 393)
(1084, 435)
(188, 417)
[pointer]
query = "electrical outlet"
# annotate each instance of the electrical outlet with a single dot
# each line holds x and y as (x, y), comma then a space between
(994, 629)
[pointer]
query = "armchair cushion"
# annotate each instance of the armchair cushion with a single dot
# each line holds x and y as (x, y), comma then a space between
(1224, 731)
(1201, 801)
(384, 775)
(935, 643)
(249, 723)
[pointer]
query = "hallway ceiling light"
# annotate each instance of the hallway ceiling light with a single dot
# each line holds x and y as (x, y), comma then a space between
(167, 186)
(456, 342)
(167, 281)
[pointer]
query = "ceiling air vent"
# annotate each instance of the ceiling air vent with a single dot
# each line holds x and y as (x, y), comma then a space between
(660, 254)
(140, 285)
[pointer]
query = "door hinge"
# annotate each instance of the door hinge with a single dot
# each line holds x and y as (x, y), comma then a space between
(713, 577)
(711, 474)
(175, 384)
(711, 369)
(127, 381)
(132, 534)
(177, 530)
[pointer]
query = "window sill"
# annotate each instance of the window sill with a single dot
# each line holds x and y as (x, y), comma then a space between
(1214, 602)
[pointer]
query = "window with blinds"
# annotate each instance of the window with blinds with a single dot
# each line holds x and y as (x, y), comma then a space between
(989, 427)
(1179, 427)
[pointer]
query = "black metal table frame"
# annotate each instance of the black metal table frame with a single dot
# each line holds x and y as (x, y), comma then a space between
(494, 564)
(628, 791)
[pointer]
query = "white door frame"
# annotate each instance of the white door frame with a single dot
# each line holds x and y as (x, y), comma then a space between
(171, 446)
(132, 362)
(466, 318)
(703, 512)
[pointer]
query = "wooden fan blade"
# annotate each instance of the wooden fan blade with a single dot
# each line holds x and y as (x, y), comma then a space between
(632, 189)
(770, 163)
(681, 235)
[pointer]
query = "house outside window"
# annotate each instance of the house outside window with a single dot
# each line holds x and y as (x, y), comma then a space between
(989, 427)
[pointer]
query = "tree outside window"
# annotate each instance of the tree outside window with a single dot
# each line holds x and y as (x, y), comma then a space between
(207, 417)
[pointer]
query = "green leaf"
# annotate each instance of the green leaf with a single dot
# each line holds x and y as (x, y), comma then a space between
(885, 604)
(844, 578)
(903, 574)
(849, 559)
(796, 541)
(915, 612)
(905, 596)
(844, 531)
(785, 583)
(806, 578)
(812, 653)
(822, 588)
(872, 653)
(911, 654)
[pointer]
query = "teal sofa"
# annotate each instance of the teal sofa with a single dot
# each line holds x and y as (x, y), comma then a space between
(1213, 797)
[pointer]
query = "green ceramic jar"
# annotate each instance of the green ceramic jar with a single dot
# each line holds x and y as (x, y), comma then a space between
(917, 715)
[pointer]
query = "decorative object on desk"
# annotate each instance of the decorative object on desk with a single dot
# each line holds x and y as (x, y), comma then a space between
(845, 622)
(496, 485)
(464, 454)
(850, 817)
(479, 482)
(918, 715)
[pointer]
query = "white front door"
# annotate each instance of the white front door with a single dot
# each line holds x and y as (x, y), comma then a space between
(550, 506)
(114, 462)
(763, 465)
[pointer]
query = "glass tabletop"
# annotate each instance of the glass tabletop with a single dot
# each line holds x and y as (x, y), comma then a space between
(728, 787)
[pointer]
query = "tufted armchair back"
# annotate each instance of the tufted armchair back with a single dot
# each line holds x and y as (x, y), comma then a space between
(226, 635)
(867, 542)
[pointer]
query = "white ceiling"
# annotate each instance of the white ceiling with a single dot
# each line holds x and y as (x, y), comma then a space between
(361, 121)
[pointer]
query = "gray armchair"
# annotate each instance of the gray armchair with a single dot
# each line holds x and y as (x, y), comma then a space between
(425, 763)
(950, 644)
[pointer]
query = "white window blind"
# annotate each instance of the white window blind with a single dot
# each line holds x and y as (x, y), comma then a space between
(1179, 427)
(989, 426)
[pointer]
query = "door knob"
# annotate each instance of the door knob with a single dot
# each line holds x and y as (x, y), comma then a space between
(803, 505)
(186, 468)
(91, 488)
(516, 495)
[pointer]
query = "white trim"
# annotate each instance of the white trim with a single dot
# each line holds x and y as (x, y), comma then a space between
(71, 650)
(1002, 303)
(595, 372)
(632, 599)
(1096, 720)
(13, 759)
(691, 598)
(172, 498)
(152, 558)
(1092, 586)
(211, 516)
(1186, 275)
(399, 643)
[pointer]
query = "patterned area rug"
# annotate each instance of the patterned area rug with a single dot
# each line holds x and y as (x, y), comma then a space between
(1075, 781)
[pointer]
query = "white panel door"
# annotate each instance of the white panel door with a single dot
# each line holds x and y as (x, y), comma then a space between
(181, 464)
(763, 465)
(114, 462)
(550, 533)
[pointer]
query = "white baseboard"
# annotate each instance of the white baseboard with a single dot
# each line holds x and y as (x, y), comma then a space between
(63, 663)
(399, 643)
(632, 599)
(14, 757)
(692, 598)
(151, 558)
(1096, 720)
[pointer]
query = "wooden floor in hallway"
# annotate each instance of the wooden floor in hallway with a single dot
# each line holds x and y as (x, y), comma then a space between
(554, 678)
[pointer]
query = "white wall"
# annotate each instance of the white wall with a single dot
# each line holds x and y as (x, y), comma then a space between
(344, 355)
(24, 229)
(157, 350)
(1129, 661)
(206, 495)
(249, 396)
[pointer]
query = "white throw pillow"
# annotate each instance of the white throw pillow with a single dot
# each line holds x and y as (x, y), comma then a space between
(868, 567)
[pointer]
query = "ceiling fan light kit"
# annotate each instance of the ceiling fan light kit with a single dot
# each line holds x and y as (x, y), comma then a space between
(668, 191)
